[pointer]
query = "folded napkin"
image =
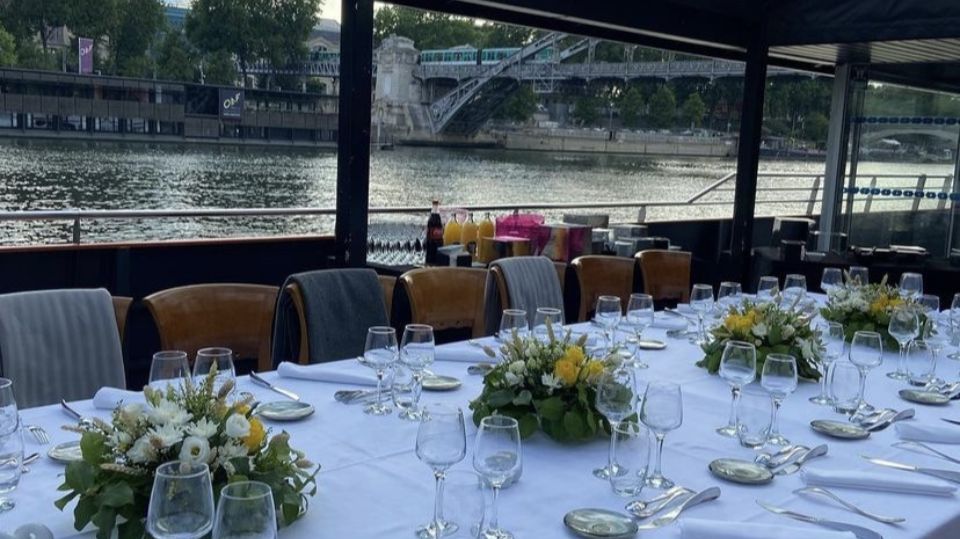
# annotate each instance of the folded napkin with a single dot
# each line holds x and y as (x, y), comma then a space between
(337, 372)
(946, 434)
(695, 528)
(467, 351)
(108, 398)
(899, 482)
(663, 320)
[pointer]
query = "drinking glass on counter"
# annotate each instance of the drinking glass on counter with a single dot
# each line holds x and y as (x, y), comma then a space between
(834, 342)
(11, 458)
(497, 456)
(245, 511)
(844, 386)
(866, 352)
(831, 280)
(545, 316)
(168, 367)
(616, 399)
(207, 359)
(768, 288)
(464, 502)
(513, 323)
(380, 354)
(662, 412)
(631, 461)
(181, 503)
(441, 443)
(753, 415)
(920, 363)
(738, 366)
(779, 378)
(904, 326)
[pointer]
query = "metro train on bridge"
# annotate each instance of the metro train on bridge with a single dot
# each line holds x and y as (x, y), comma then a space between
(467, 55)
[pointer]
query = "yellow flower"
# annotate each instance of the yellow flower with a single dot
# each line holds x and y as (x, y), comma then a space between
(574, 354)
(740, 323)
(566, 371)
(592, 370)
(255, 438)
(242, 409)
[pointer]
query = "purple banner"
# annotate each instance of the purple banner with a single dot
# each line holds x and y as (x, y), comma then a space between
(85, 53)
(231, 103)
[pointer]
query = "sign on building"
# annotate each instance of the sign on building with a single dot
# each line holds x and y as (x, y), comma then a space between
(231, 104)
(85, 54)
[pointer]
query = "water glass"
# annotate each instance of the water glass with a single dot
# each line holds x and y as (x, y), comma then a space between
(920, 363)
(616, 399)
(779, 378)
(738, 366)
(844, 386)
(859, 275)
(245, 511)
(547, 317)
(464, 503)
(631, 460)
(441, 443)
(168, 367)
(911, 285)
(417, 353)
(405, 392)
(380, 354)
(904, 326)
(866, 352)
(955, 325)
(209, 359)
(661, 411)
(834, 341)
(754, 413)
(11, 459)
(930, 304)
(768, 288)
(513, 323)
(701, 301)
(9, 413)
(831, 280)
(729, 295)
(640, 313)
(497, 456)
(181, 503)
(794, 289)
(607, 314)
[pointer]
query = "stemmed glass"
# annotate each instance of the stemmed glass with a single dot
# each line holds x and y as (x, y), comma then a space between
(866, 352)
(954, 325)
(545, 316)
(738, 366)
(937, 336)
(859, 275)
(701, 301)
(181, 503)
(497, 456)
(640, 316)
(930, 304)
(169, 366)
(779, 378)
(904, 326)
(833, 345)
(608, 313)
(207, 358)
(794, 289)
(911, 285)
(768, 288)
(441, 443)
(245, 511)
(661, 412)
(379, 354)
(920, 363)
(417, 352)
(729, 294)
(615, 399)
(831, 280)
(513, 323)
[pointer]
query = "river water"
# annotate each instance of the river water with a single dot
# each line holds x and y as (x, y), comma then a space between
(59, 175)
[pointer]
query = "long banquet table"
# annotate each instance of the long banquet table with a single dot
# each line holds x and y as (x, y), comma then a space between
(372, 485)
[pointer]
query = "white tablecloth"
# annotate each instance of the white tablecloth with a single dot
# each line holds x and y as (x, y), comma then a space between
(373, 486)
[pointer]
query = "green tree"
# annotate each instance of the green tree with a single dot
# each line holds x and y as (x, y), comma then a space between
(631, 107)
(219, 68)
(8, 49)
(816, 127)
(175, 59)
(27, 19)
(292, 21)
(31, 56)
(692, 110)
(586, 110)
(427, 29)
(663, 108)
(138, 22)
(235, 27)
(520, 106)
(507, 35)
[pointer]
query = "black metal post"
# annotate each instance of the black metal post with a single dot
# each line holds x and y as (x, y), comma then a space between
(353, 137)
(748, 158)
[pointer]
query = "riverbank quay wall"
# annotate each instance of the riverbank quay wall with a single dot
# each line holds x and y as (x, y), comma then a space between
(604, 142)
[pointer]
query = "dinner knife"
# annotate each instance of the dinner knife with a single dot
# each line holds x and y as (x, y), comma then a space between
(285, 392)
(859, 531)
(954, 421)
(947, 475)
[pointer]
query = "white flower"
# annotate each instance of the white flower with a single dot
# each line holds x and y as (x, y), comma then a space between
(229, 451)
(806, 348)
(119, 438)
(551, 381)
(129, 413)
(511, 379)
(788, 331)
(237, 426)
(168, 412)
(195, 449)
(203, 429)
(167, 435)
(142, 451)
(760, 329)
(517, 367)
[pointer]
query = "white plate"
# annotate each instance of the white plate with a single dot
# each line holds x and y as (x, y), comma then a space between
(66, 452)
(285, 410)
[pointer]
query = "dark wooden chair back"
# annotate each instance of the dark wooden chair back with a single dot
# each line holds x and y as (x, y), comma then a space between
(666, 274)
(446, 298)
(602, 275)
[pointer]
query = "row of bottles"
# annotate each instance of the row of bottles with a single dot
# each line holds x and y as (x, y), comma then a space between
(467, 233)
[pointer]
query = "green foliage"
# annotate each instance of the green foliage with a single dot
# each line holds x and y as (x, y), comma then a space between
(663, 108)
(29, 19)
(631, 107)
(8, 49)
(175, 59)
(137, 24)
(219, 68)
(692, 110)
(816, 127)
(520, 106)
(31, 56)
(586, 110)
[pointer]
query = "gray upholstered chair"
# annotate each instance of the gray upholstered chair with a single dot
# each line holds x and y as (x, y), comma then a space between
(59, 344)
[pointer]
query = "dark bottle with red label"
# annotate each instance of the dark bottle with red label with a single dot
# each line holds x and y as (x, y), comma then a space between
(434, 233)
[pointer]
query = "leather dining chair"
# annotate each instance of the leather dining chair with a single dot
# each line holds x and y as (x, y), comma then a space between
(446, 298)
(235, 316)
(121, 308)
(666, 274)
(602, 275)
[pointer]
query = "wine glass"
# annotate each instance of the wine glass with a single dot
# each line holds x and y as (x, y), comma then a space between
(701, 301)
(911, 285)
(729, 294)
(245, 511)
(210, 358)
(379, 353)
(833, 344)
(904, 326)
(615, 399)
(607, 315)
(181, 503)
(168, 366)
(441, 443)
(738, 366)
(794, 288)
(497, 456)
(768, 288)
(937, 336)
(640, 316)
(859, 275)
(930, 304)
(866, 352)
(661, 411)
(9, 413)
(831, 280)
(920, 363)
(11, 457)
(779, 378)
(513, 324)
(547, 317)
(954, 320)
(417, 352)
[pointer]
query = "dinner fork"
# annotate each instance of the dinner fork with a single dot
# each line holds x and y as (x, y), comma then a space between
(38, 433)
(854, 508)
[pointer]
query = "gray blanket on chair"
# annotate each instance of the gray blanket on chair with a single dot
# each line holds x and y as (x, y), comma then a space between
(59, 344)
(532, 282)
(340, 305)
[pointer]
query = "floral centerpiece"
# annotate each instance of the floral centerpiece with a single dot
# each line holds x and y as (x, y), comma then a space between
(112, 482)
(866, 308)
(773, 330)
(546, 385)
